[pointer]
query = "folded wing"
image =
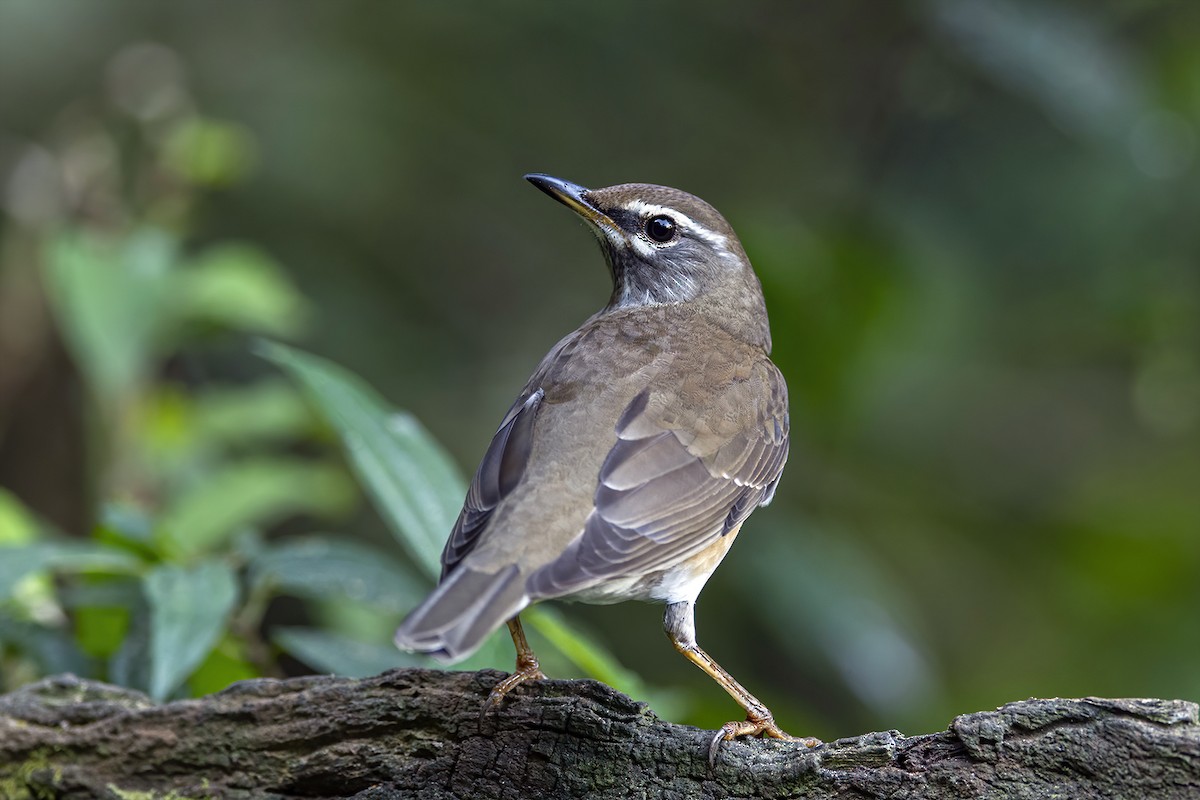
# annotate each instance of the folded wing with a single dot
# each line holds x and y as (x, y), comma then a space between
(667, 491)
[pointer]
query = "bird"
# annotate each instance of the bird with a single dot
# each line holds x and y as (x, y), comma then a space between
(633, 455)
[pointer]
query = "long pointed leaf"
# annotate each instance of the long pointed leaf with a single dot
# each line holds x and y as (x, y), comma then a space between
(18, 562)
(340, 655)
(323, 568)
(415, 485)
(252, 492)
(110, 297)
(188, 613)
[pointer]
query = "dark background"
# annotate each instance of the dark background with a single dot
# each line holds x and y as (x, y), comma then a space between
(976, 227)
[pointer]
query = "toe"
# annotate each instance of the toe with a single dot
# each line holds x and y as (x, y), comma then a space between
(501, 689)
(753, 726)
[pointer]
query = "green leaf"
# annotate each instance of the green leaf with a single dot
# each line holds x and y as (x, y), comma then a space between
(131, 664)
(412, 480)
(126, 523)
(328, 652)
(252, 492)
(353, 620)
(17, 525)
(189, 609)
(52, 648)
(594, 660)
(121, 592)
(100, 629)
(321, 568)
(496, 653)
(238, 286)
(18, 562)
(270, 410)
(226, 664)
(110, 300)
(210, 152)
(878, 656)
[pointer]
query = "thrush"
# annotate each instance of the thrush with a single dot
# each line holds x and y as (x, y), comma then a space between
(627, 465)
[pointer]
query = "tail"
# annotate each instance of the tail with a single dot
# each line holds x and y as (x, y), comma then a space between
(465, 607)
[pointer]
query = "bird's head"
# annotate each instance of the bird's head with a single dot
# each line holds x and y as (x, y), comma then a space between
(663, 245)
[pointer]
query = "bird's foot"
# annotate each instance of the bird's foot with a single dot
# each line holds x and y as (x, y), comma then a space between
(527, 671)
(753, 725)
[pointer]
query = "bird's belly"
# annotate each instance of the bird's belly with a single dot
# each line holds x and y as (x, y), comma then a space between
(679, 582)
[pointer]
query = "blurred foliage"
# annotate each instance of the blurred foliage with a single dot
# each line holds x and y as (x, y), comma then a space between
(185, 474)
(975, 225)
(170, 591)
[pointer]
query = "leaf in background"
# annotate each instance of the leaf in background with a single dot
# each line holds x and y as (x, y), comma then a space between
(362, 623)
(109, 297)
(252, 492)
(328, 652)
(414, 483)
(320, 568)
(586, 654)
(1062, 59)
(210, 152)
(102, 612)
(226, 664)
(495, 653)
(189, 609)
(17, 525)
(100, 630)
(823, 597)
(126, 525)
(269, 410)
(18, 562)
(52, 648)
(130, 665)
(595, 661)
(121, 592)
(241, 287)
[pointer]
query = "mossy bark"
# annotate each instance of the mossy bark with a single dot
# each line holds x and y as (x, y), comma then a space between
(417, 733)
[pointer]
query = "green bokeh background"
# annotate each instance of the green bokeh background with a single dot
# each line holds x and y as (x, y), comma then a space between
(976, 227)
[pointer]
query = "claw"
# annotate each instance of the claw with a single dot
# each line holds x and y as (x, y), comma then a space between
(752, 726)
(528, 669)
(496, 696)
(680, 625)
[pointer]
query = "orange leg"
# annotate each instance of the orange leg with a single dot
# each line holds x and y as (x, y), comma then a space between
(527, 669)
(679, 622)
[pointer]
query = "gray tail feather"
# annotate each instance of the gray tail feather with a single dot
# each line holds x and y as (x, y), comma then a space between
(465, 607)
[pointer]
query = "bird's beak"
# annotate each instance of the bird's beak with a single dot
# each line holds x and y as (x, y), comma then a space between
(575, 197)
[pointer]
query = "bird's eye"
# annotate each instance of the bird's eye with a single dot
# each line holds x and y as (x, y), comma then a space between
(661, 229)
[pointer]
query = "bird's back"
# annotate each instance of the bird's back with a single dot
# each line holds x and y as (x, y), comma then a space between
(709, 395)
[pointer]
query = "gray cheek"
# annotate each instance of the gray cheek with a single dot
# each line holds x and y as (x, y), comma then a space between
(663, 275)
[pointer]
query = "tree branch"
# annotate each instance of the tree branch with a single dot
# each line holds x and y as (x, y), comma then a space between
(417, 733)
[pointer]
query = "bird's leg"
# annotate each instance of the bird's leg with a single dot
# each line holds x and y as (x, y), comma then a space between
(527, 669)
(680, 624)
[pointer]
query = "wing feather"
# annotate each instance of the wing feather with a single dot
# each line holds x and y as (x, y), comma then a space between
(666, 492)
(499, 473)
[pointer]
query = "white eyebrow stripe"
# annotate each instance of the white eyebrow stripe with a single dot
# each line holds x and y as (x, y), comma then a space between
(642, 208)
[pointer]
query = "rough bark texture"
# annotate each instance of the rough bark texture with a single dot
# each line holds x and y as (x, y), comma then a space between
(417, 733)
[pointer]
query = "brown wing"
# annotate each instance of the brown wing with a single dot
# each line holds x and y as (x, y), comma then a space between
(504, 463)
(498, 474)
(668, 490)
